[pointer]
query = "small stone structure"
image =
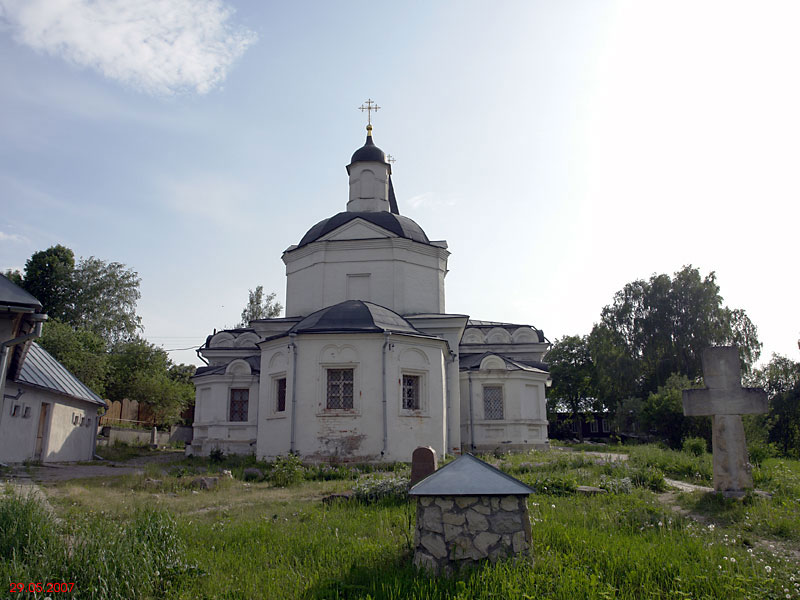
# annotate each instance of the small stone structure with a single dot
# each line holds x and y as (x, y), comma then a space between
(469, 512)
(726, 401)
(423, 463)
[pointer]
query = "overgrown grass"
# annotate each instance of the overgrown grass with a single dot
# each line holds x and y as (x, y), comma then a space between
(120, 451)
(256, 540)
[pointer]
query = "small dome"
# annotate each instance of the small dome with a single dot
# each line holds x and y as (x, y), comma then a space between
(397, 224)
(356, 316)
(369, 152)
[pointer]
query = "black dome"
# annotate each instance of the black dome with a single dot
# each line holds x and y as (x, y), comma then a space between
(354, 315)
(397, 224)
(369, 152)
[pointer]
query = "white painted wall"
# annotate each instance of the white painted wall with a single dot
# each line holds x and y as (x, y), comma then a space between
(353, 435)
(212, 427)
(404, 276)
(369, 187)
(524, 425)
(70, 427)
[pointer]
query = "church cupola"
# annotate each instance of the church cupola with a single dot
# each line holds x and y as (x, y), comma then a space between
(370, 178)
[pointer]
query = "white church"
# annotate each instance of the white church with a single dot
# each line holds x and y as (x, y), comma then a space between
(367, 365)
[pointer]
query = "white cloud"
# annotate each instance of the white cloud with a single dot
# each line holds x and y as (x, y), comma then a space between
(12, 237)
(431, 199)
(160, 47)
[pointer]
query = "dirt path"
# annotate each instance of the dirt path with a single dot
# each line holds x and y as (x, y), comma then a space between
(52, 472)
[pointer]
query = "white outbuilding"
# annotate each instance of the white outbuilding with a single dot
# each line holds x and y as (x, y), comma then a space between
(367, 365)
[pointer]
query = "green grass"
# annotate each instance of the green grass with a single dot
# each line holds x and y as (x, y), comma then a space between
(255, 540)
(120, 451)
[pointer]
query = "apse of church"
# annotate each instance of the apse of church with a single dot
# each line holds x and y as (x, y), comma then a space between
(367, 365)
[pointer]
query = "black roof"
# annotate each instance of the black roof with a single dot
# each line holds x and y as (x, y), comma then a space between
(397, 224)
(354, 315)
(369, 152)
(253, 361)
(13, 295)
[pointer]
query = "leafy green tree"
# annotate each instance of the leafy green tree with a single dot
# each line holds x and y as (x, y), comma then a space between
(781, 380)
(105, 297)
(48, 276)
(662, 413)
(14, 276)
(82, 352)
(143, 372)
(659, 327)
(573, 376)
(259, 306)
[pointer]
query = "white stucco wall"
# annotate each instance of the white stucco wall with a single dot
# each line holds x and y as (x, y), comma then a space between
(404, 276)
(524, 423)
(69, 432)
(212, 426)
(357, 434)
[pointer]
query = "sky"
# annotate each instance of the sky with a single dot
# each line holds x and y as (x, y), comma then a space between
(563, 149)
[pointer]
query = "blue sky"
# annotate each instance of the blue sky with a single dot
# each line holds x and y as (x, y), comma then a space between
(562, 149)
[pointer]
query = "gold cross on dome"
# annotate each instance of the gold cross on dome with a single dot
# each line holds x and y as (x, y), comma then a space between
(370, 106)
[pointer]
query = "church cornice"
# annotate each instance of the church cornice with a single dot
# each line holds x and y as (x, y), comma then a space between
(291, 255)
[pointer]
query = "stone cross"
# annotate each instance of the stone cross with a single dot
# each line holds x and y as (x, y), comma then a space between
(423, 463)
(725, 400)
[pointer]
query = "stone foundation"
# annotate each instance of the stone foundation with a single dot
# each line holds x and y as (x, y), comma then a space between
(455, 531)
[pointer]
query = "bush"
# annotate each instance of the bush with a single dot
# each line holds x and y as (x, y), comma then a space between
(373, 488)
(216, 455)
(616, 485)
(287, 470)
(760, 451)
(695, 445)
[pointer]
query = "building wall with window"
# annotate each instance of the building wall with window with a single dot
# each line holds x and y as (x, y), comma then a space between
(339, 400)
(503, 409)
(226, 410)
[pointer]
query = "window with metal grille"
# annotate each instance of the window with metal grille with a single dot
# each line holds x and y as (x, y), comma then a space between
(240, 399)
(340, 389)
(411, 395)
(493, 402)
(280, 394)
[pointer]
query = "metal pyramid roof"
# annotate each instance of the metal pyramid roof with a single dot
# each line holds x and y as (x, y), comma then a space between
(469, 476)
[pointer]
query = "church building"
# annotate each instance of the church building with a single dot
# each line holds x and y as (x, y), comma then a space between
(367, 364)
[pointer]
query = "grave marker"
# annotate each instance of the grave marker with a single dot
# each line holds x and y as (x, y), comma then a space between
(423, 463)
(725, 400)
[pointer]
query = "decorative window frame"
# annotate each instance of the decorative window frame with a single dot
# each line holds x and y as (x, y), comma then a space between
(502, 399)
(424, 395)
(323, 409)
(272, 396)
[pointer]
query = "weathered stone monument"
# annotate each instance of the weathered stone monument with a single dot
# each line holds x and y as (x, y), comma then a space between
(725, 400)
(423, 463)
(468, 512)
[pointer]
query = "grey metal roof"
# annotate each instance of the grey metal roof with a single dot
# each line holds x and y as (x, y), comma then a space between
(469, 476)
(355, 315)
(13, 295)
(253, 361)
(473, 361)
(40, 369)
(398, 224)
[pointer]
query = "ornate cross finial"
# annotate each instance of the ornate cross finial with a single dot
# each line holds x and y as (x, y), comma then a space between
(390, 159)
(370, 106)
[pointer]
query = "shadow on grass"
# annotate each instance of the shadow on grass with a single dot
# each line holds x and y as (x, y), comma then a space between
(390, 579)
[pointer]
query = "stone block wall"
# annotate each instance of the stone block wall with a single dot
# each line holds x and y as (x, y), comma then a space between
(455, 531)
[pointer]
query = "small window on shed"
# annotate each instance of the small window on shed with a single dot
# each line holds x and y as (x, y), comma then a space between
(493, 402)
(75, 418)
(26, 414)
(280, 394)
(15, 410)
(240, 400)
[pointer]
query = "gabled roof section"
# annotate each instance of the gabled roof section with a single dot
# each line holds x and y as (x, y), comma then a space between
(469, 476)
(253, 361)
(15, 297)
(472, 362)
(40, 369)
(398, 224)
